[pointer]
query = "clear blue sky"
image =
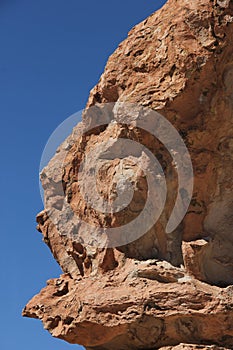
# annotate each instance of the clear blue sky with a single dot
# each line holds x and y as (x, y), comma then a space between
(52, 54)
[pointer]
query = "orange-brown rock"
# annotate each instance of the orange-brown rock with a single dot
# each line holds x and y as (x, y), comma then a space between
(164, 290)
(143, 305)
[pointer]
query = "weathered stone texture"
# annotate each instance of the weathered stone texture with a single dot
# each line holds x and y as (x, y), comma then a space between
(165, 291)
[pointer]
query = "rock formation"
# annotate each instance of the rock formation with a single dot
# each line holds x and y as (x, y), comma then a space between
(164, 290)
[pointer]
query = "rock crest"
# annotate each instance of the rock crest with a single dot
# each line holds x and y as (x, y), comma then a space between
(163, 291)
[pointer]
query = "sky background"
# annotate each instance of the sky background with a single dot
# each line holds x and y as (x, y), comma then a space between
(52, 53)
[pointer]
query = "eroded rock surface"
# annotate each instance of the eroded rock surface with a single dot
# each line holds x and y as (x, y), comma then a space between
(163, 290)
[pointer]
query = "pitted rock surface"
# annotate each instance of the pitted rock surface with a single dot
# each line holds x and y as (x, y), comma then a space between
(168, 291)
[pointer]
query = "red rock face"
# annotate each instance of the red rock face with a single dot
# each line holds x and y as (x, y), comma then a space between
(164, 290)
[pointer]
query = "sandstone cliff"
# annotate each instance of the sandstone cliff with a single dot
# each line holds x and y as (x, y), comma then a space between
(165, 289)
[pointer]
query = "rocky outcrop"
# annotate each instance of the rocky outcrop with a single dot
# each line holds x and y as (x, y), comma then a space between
(143, 305)
(163, 289)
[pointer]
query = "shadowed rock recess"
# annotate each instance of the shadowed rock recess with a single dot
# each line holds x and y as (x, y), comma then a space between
(163, 291)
